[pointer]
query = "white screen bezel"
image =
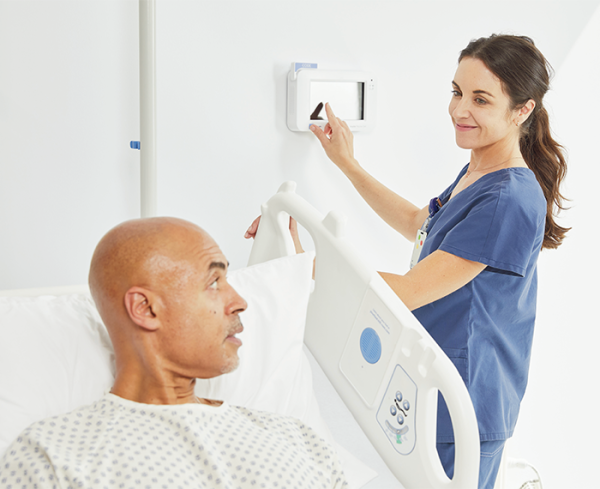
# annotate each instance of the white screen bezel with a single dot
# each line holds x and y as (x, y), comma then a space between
(300, 104)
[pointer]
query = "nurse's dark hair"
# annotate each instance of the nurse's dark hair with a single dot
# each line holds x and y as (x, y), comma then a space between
(525, 75)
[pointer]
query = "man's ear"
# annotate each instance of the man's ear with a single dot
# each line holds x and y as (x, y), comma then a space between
(141, 304)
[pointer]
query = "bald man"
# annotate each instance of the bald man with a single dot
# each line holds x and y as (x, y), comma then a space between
(161, 288)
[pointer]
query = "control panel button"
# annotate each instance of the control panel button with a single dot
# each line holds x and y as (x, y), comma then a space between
(396, 431)
(397, 412)
(370, 345)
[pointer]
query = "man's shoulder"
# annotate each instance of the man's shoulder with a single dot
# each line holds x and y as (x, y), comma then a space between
(85, 411)
(55, 424)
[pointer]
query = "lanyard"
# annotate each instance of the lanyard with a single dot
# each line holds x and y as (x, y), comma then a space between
(435, 205)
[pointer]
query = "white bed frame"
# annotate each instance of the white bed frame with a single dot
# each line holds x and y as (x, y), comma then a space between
(350, 299)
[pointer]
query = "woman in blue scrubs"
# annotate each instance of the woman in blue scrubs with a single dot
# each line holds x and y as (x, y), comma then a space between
(474, 284)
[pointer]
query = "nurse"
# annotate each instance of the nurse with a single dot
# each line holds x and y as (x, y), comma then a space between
(473, 282)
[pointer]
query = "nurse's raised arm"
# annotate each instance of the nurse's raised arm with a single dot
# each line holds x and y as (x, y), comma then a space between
(338, 142)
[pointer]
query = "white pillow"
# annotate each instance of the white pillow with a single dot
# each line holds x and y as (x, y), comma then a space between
(55, 355)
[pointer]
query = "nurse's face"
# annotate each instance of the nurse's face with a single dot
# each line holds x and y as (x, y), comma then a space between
(480, 110)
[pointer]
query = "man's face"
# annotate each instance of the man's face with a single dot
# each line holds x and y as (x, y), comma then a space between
(201, 311)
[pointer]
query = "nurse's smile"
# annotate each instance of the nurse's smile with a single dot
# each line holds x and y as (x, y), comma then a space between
(463, 127)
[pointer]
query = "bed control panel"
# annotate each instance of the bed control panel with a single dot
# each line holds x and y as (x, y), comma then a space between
(396, 414)
(368, 352)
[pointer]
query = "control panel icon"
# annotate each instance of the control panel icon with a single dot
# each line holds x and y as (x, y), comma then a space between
(396, 414)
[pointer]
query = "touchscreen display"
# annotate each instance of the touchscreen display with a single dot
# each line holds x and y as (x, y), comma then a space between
(345, 98)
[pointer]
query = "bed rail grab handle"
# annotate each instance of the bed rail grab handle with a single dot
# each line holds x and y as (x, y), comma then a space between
(466, 438)
(273, 238)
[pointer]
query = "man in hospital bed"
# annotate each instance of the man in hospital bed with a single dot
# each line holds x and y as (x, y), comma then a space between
(161, 287)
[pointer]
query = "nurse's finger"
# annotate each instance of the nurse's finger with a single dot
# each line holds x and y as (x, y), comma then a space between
(321, 136)
(295, 236)
(344, 124)
(331, 118)
(251, 232)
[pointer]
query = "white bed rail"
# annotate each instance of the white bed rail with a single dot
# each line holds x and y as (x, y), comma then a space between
(384, 365)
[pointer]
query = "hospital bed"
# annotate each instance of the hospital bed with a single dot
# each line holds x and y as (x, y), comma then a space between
(383, 364)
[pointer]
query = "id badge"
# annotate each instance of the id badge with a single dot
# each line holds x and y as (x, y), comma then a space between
(419, 242)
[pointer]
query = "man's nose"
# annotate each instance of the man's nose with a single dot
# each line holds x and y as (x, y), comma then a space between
(236, 303)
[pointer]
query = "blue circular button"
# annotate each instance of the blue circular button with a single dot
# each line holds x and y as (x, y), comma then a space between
(400, 419)
(370, 345)
(393, 410)
(399, 396)
(406, 405)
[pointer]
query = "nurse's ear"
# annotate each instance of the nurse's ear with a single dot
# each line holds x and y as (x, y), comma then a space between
(522, 114)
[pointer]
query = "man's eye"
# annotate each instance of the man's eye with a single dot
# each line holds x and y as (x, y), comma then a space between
(214, 285)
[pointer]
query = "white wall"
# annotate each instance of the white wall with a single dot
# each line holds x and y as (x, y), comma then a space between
(555, 423)
(69, 107)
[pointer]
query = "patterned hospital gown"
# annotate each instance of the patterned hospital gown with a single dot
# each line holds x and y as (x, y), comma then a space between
(116, 443)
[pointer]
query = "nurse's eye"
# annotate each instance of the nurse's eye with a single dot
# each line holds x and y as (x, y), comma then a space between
(455, 93)
(480, 101)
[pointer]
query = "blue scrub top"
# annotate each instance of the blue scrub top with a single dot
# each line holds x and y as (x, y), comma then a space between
(486, 327)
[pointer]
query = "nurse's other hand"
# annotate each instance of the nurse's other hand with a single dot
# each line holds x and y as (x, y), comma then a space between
(295, 236)
(337, 140)
(251, 233)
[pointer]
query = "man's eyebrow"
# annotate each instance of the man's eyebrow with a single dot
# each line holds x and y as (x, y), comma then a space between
(218, 264)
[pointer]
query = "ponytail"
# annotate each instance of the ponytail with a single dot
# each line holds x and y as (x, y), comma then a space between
(545, 158)
(525, 75)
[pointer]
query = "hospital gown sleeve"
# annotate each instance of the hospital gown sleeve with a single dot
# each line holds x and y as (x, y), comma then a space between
(26, 466)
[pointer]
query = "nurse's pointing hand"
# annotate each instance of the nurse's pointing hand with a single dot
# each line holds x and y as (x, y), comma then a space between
(337, 140)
